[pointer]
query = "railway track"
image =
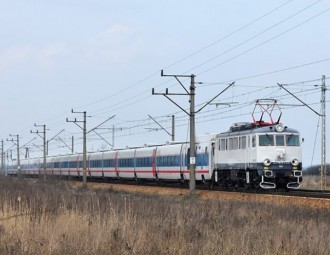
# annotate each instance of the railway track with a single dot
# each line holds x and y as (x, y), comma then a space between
(310, 199)
(184, 188)
(309, 193)
(304, 193)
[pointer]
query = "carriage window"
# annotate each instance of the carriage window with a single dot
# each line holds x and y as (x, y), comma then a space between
(266, 140)
(242, 142)
(292, 140)
(279, 140)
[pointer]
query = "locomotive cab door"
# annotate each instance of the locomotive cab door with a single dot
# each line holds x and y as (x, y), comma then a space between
(212, 152)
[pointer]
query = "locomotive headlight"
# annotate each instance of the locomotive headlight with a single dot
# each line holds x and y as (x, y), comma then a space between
(267, 162)
(295, 162)
(279, 128)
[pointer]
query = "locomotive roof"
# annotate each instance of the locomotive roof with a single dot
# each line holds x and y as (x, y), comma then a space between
(257, 130)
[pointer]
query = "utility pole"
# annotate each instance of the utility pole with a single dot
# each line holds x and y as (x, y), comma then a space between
(16, 141)
(323, 169)
(113, 136)
(75, 121)
(51, 140)
(72, 144)
(44, 144)
(191, 114)
(173, 127)
(98, 127)
(192, 166)
(2, 158)
(113, 129)
(27, 148)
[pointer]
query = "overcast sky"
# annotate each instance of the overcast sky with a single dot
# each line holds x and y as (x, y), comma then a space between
(105, 56)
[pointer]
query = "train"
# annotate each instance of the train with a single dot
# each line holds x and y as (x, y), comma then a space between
(250, 155)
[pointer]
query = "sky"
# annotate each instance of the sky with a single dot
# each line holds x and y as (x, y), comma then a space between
(104, 57)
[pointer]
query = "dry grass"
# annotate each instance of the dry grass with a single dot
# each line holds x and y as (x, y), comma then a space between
(52, 218)
(314, 182)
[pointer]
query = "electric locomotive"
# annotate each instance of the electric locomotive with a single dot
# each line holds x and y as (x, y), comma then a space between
(259, 154)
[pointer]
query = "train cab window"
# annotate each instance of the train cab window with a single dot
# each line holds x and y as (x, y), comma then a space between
(266, 140)
(279, 140)
(292, 140)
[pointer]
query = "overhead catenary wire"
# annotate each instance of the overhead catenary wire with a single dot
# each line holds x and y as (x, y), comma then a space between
(192, 54)
(217, 112)
(135, 96)
(130, 104)
(264, 42)
(252, 37)
(203, 116)
(144, 98)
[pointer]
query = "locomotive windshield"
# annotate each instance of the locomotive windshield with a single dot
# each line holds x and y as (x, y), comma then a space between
(292, 140)
(266, 140)
(281, 140)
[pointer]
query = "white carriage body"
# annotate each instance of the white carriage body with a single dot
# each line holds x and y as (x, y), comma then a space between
(145, 162)
(95, 164)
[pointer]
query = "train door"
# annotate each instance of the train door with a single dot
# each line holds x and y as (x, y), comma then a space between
(116, 165)
(187, 163)
(212, 152)
(153, 164)
(253, 152)
(88, 166)
(181, 162)
(102, 166)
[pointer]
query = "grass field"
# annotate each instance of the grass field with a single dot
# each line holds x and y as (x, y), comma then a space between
(314, 182)
(49, 217)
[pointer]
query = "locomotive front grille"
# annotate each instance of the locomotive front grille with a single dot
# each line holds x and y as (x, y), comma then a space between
(268, 173)
(297, 173)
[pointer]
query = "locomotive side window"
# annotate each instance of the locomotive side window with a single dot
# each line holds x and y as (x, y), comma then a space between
(230, 143)
(242, 142)
(292, 140)
(279, 140)
(266, 140)
(223, 144)
(235, 143)
(254, 141)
